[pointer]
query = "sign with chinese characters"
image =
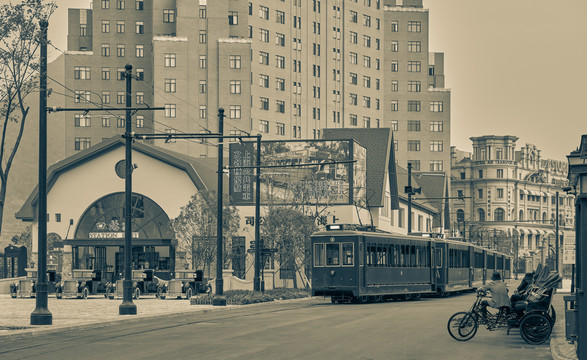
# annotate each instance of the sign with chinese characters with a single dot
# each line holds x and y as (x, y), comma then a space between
(569, 248)
(241, 179)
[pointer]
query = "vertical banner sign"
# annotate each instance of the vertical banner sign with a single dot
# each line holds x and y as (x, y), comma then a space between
(242, 179)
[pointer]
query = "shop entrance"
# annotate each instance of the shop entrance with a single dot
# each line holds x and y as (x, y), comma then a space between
(99, 237)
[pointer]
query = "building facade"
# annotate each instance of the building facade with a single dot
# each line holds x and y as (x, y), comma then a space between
(286, 69)
(507, 198)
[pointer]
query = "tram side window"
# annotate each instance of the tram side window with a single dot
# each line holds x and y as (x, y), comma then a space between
(413, 257)
(318, 254)
(332, 254)
(438, 259)
(479, 260)
(392, 256)
(348, 254)
(381, 256)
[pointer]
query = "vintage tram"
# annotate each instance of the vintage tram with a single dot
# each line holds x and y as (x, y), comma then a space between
(360, 264)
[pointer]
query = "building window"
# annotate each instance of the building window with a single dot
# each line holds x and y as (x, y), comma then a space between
(413, 125)
(82, 143)
(366, 122)
(394, 66)
(354, 37)
(280, 84)
(480, 174)
(264, 126)
(105, 4)
(436, 126)
(235, 86)
(414, 66)
(366, 81)
(414, 26)
(140, 99)
(82, 96)
(120, 4)
(140, 74)
(170, 85)
(394, 105)
(235, 111)
(120, 97)
(415, 164)
(499, 214)
(120, 122)
(366, 40)
(280, 39)
(463, 175)
(83, 30)
(120, 74)
(232, 18)
(105, 26)
(105, 97)
(413, 145)
(203, 62)
(280, 105)
(500, 173)
(263, 80)
(169, 110)
(500, 193)
(394, 125)
(264, 35)
(120, 49)
(436, 165)
(264, 103)
(139, 5)
(140, 27)
(436, 145)
(264, 12)
(170, 132)
(105, 49)
(105, 121)
(280, 17)
(413, 105)
(234, 61)
(480, 193)
(203, 37)
(394, 46)
(120, 27)
(280, 61)
(366, 61)
(140, 121)
(203, 112)
(414, 46)
(82, 121)
(366, 101)
(353, 99)
(280, 127)
(168, 16)
(203, 87)
(82, 73)
(170, 60)
(436, 106)
(140, 51)
(481, 214)
(203, 12)
(263, 58)
(414, 86)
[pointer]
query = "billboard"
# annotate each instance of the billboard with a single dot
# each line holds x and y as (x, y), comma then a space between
(285, 181)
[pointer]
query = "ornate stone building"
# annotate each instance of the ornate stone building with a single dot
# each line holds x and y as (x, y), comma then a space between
(507, 198)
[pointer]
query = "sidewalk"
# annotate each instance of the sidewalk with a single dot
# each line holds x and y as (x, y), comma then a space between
(96, 311)
(560, 348)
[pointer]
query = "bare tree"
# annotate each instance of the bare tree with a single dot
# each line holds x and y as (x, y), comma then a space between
(19, 65)
(195, 229)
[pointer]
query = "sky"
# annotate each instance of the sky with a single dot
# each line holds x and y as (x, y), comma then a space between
(514, 67)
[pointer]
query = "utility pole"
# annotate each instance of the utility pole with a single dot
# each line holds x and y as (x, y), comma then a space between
(410, 191)
(557, 233)
(41, 315)
(128, 307)
(219, 239)
(258, 284)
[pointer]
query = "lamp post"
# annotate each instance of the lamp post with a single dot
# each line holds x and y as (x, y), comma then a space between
(578, 179)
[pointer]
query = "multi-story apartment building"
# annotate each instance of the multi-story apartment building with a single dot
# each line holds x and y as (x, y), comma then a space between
(509, 198)
(417, 106)
(286, 69)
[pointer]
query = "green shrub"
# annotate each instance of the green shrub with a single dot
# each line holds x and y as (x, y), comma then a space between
(245, 297)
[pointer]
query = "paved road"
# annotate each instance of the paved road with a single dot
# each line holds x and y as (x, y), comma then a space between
(311, 329)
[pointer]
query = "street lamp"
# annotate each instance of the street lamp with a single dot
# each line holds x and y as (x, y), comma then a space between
(578, 179)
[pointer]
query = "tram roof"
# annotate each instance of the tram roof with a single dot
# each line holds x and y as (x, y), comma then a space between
(201, 171)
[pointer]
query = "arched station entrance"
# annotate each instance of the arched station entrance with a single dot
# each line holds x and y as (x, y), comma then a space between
(98, 243)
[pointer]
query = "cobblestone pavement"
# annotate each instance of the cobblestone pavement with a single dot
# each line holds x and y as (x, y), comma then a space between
(72, 313)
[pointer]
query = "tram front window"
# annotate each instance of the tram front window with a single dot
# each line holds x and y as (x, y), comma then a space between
(332, 254)
(318, 254)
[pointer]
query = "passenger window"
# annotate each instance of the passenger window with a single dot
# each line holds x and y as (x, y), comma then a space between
(332, 254)
(347, 254)
(438, 261)
(318, 254)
